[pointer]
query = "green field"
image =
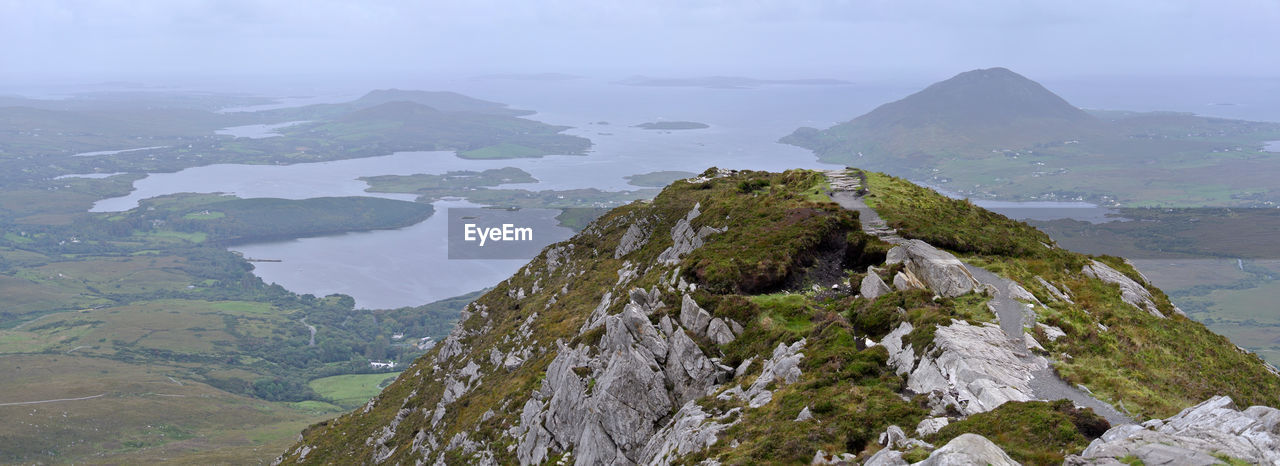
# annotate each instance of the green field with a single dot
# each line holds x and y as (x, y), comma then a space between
(352, 390)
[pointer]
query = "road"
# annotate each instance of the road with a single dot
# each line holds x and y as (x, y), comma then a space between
(312, 328)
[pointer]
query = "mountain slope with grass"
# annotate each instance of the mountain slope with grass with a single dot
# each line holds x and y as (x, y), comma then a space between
(797, 317)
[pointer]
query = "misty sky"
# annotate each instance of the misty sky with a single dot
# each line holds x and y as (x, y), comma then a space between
(134, 39)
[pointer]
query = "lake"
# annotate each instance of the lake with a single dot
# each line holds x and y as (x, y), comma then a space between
(406, 267)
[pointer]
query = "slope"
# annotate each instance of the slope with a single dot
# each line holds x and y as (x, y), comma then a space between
(742, 317)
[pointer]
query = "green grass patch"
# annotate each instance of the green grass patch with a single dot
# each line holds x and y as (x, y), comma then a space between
(351, 390)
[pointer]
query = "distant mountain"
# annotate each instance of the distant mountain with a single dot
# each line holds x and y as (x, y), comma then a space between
(993, 133)
(725, 82)
(979, 110)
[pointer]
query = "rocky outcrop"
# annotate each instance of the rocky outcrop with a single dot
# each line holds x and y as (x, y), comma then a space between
(937, 269)
(691, 430)
(606, 406)
(973, 368)
(1198, 435)
(782, 368)
(684, 238)
(1130, 291)
(635, 237)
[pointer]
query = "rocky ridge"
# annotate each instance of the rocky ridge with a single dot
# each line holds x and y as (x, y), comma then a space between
(638, 342)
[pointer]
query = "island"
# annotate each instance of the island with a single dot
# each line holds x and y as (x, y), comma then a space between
(673, 125)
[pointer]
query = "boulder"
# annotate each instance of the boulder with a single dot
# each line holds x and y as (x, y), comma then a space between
(937, 269)
(872, 286)
(719, 332)
(932, 425)
(886, 457)
(967, 450)
(1194, 436)
(892, 437)
(693, 317)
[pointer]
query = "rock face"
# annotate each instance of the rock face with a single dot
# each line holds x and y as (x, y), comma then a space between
(972, 368)
(1193, 437)
(1130, 291)
(636, 236)
(937, 269)
(606, 407)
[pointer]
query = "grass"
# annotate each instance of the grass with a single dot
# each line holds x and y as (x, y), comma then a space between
(1034, 432)
(351, 390)
(144, 417)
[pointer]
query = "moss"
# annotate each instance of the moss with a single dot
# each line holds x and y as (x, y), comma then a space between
(1035, 432)
(956, 224)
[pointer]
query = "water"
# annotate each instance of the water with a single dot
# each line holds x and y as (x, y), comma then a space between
(386, 269)
(111, 152)
(88, 175)
(407, 266)
(257, 131)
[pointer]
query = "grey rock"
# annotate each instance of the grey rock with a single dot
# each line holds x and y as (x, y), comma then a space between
(1193, 436)
(597, 316)
(901, 357)
(902, 281)
(685, 239)
(719, 332)
(822, 457)
(967, 450)
(689, 371)
(735, 326)
(892, 437)
(937, 269)
(693, 317)
(886, 457)
(635, 237)
(804, 415)
(973, 368)
(1054, 291)
(932, 425)
(872, 286)
(690, 430)
(649, 301)
(1051, 332)
(1130, 291)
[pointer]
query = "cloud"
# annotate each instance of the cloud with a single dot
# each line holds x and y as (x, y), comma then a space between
(833, 37)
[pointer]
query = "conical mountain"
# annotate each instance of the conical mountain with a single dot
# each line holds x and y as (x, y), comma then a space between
(972, 113)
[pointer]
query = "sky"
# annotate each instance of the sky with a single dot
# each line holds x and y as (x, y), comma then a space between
(136, 39)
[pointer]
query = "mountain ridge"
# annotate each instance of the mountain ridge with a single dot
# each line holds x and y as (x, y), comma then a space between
(743, 317)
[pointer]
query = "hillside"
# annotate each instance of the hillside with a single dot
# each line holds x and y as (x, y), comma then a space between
(976, 110)
(749, 317)
(995, 133)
